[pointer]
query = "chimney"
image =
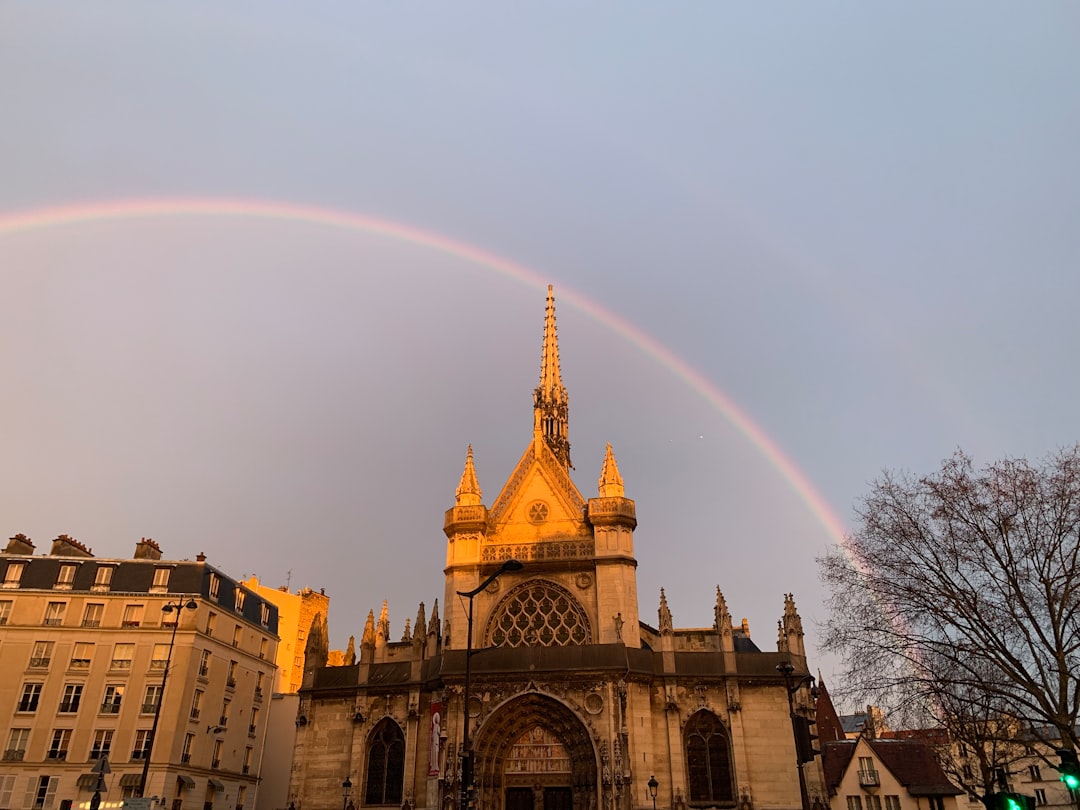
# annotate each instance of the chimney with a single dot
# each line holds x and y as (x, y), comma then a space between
(64, 546)
(200, 557)
(19, 544)
(147, 549)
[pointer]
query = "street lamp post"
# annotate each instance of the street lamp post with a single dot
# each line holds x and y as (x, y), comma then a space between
(168, 607)
(466, 743)
(792, 686)
(653, 786)
(346, 789)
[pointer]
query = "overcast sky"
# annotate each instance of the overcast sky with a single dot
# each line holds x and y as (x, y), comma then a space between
(858, 223)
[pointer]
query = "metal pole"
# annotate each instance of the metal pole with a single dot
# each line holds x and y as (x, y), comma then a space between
(167, 608)
(786, 670)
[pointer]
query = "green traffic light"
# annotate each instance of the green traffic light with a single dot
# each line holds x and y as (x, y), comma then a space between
(1071, 780)
(1012, 804)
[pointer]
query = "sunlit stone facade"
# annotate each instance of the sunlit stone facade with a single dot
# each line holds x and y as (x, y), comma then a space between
(575, 701)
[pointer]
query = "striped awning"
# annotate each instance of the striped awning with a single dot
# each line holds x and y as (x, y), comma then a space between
(215, 784)
(130, 780)
(185, 781)
(87, 781)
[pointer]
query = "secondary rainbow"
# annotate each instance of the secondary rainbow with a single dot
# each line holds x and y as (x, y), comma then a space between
(135, 209)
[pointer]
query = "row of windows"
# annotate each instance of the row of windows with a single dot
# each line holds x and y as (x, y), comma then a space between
(222, 721)
(41, 793)
(873, 802)
(72, 698)
(93, 612)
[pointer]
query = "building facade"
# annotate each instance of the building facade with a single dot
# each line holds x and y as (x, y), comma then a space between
(92, 663)
(574, 701)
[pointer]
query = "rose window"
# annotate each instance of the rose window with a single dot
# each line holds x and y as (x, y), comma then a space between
(538, 614)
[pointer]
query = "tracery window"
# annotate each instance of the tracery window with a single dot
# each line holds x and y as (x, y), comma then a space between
(538, 613)
(708, 760)
(385, 764)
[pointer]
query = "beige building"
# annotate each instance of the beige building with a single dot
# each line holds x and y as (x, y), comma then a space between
(296, 614)
(891, 774)
(85, 646)
(574, 701)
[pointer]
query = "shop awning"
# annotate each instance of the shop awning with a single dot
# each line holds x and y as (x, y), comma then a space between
(215, 784)
(87, 781)
(130, 780)
(185, 782)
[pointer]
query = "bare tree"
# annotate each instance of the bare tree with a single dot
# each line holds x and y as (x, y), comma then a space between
(958, 595)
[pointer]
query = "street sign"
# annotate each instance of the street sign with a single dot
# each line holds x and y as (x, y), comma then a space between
(102, 766)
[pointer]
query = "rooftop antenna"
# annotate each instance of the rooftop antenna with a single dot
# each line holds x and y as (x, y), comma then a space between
(288, 580)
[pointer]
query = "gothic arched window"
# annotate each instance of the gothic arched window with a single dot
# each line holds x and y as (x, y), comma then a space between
(385, 764)
(708, 760)
(538, 613)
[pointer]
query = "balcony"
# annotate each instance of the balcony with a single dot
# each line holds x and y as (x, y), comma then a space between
(91, 623)
(69, 708)
(138, 753)
(57, 754)
(251, 730)
(258, 693)
(185, 759)
(869, 779)
(148, 708)
(98, 753)
(204, 672)
(53, 621)
(157, 663)
(215, 764)
(27, 706)
(80, 663)
(130, 624)
(120, 663)
(110, 708)
(194, 714)
(224, 721)
(14, 755)
(246, 769)
(40, 663)
(231, 683)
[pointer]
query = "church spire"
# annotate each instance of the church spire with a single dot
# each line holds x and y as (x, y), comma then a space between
(468, 491)
(550, 401)
(611, 484)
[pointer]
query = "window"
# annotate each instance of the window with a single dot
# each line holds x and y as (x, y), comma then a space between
(196, 704)
(40, 796)
(236, 635)
(141, 748)
(215, 586)
(7, 787)
(226, 706)
(264, 614)
(81, 654)
(16, 747)
(241, 794)
(122, 655)
(231, 681)
(31, 694)
(66, 577)
(92, 615)
(215, 761)
(58, 748)
(873, 802)
(133, 616)
(54, 613)
(114, 696)
(41, 656)
(13, 574)
(868, 775)
(1040, 796)
(892, 803)
(151, 698)
(854, 803)
(5, 611)
(102, 577)
(936, 802)
(161, 580)
(102, 743)
(254, 722)
(247, 759)
(258, 684)
(211, 620)
(240, 597)
(385, 764)
(204, 664)
(159, 657)
(708, 762)
(539, 613)
(1035, 773)
(263, 644)
(185, 753)
(72, 697)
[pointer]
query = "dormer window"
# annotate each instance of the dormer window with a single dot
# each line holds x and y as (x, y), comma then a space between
(215, 585)
(66, 577)
(161, 580)
(13, 574)
(103, 577)
(240, 596)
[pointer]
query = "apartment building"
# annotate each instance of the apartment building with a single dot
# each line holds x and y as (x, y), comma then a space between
(95, 651)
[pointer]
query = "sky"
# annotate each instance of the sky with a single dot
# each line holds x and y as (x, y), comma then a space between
(267, 269)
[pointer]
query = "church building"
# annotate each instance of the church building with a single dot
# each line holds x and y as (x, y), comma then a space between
(567, 698)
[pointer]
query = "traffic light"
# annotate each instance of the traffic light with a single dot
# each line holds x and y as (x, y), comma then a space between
(804, 740)
(1011, 801)
(1069, 768)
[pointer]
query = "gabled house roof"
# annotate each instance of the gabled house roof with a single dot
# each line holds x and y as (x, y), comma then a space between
(913, 764)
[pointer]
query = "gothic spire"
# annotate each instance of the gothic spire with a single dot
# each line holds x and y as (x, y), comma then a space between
(368, 639)
(550, 401)
(611, 485)
(468, 491)
(665, 614)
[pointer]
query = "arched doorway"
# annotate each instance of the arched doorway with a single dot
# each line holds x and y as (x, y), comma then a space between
(534, 753)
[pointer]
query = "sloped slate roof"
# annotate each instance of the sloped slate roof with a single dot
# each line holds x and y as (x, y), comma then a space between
(915, 766)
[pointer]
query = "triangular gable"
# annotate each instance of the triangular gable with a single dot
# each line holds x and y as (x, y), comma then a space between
(539, 476)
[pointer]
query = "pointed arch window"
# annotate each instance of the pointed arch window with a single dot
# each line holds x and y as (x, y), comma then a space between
(708, 760)
(541, 614)
(385, 764)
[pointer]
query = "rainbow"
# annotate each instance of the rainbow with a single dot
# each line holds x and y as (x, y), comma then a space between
(137, 209)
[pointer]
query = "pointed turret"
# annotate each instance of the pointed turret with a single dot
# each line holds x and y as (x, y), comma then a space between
(350, 652)
(468, 491)
(721, 616)
(382, 629)
(550, 400)
(664, 613)
(407, 635)
(433, 624)
(367, 641)
(791, 630)
(611, 485)
(420, 627)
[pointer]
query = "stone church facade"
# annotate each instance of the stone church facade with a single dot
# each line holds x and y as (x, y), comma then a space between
(575, 702)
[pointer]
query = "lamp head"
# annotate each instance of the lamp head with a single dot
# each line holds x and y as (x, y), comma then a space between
(511, 565)
(785, 668)
(653, 786)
